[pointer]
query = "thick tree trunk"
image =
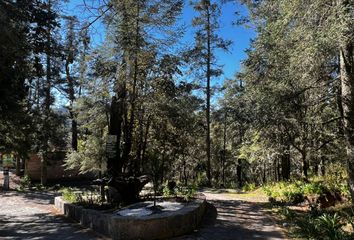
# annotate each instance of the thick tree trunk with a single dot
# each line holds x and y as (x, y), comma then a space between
(347, 86)
(285, 164)
(47, 104)
(114, 163)
(71, 91)
(18, 165)
(347, 82)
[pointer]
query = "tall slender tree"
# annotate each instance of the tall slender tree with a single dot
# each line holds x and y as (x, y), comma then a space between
(202, 56)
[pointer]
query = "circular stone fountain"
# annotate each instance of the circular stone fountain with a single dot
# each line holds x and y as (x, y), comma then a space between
(141, 220)
(148, 208)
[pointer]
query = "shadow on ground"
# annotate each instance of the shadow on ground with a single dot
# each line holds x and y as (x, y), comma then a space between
(28, 215)
(233, 220)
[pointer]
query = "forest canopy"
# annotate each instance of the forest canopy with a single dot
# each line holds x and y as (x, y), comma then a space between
(164, 107)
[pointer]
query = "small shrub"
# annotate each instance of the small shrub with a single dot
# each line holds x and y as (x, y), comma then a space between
(187, 192)
(284, 191)
(88, 198)
(249, 187)
(287, 213)
(39, 187)
(69, 195)
(25, 182)
(169, 189)
(314, 188)
(307, 228)
(336, 179)
(201, 179)
(330, 226)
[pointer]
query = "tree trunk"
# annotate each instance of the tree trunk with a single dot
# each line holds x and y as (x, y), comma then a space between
(18, 165)
(71, 92)
(44, 175)
(114, 163)
(264, 172)
(285, 164)
(208, 76)
(347, 84)
(323, 167)
(47, 103)
(224, 150)
(305, 164)
(239, 173)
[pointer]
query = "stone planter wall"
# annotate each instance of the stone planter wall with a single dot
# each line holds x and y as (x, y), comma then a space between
(161, 226)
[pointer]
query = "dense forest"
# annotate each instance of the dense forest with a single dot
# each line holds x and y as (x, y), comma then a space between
(287, 114)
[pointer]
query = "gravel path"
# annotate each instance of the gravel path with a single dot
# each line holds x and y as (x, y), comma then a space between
(236, 219)
(32, 216)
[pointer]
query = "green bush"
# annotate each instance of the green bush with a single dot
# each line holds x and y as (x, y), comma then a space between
(25, 182)
(285, 191)
(306, 228)
(314, 188)
(294, 192)
(249, 187)
(336, 179)
(89, 198)
(69, 195)
(287, 213)
(330, 226)
(201, 179)
(169, 188)
(187, 192)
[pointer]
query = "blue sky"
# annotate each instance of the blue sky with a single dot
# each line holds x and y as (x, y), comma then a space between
(240, 35)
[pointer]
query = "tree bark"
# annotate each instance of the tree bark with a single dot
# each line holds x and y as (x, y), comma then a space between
(71, 92)
(239, 173)
(305, 164)
(114, 163)
(285, 164)
(208, 76)
(347, 84)
(47, 103)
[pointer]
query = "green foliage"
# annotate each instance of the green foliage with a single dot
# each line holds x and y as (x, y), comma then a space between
(313, 188)
(166, 191)
(86, 198)
(307, 226)
(294, 192)
(287, 213)
(330, 226)
(187, 192)
(282, 191)
(69, 195)
(249, 187)
(25, 182)
(201, 179)
(336, 178)
(169, 189)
